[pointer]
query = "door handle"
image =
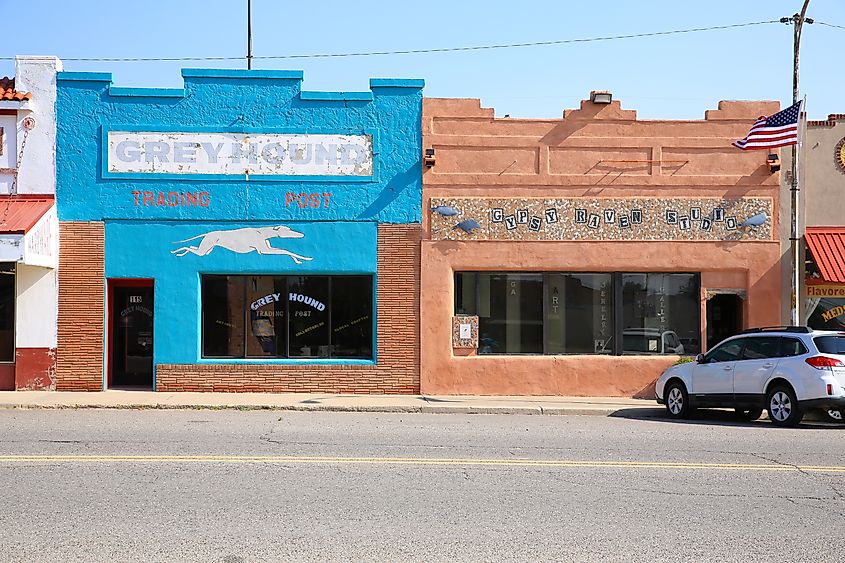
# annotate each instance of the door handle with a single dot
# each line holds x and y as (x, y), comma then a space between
(727, 368)
(769, 365)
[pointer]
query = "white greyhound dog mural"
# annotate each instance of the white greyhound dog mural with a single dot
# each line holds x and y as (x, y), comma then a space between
(242, 241)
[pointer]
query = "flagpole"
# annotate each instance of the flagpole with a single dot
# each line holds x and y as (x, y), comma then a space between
(795, 254)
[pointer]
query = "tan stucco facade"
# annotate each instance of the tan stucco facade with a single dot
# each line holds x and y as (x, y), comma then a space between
(823, 181)
(597, 153)
(821, 190)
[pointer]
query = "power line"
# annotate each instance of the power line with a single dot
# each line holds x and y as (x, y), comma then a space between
(830, 24)
(417, 51)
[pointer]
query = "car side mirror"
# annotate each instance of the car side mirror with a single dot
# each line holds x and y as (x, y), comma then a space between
(699, 359)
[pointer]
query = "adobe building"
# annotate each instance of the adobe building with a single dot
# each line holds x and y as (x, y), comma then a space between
(28, 225)
(822, 183)
(238, 234)
(583, 255)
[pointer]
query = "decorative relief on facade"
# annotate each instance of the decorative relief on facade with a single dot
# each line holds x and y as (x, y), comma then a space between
(602, 219)
(242, 241)
(839, 155)
(465, 331)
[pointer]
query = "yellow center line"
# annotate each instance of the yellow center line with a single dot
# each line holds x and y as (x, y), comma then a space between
(560, 463)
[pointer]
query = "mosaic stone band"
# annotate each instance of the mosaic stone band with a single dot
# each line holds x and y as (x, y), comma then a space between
(601, 219)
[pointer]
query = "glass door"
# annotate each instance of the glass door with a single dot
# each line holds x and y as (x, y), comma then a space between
(131, 317)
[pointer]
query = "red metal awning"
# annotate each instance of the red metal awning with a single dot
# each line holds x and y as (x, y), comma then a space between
(828, 247)
(18, 214)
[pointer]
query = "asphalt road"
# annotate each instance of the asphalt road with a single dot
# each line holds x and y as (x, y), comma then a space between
(229, 486)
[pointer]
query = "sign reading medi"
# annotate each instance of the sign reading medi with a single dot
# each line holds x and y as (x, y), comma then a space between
(227, 154)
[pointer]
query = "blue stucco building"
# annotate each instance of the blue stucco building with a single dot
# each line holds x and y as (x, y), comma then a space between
(238, 234)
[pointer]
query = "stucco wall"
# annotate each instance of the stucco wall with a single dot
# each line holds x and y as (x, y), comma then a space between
(37, 293)
(595, 152)
(89, 106)
(823, 183)
(37, 75)
(336, 224)
(36, 307)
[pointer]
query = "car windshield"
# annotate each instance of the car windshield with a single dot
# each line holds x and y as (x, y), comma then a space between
(830, 344)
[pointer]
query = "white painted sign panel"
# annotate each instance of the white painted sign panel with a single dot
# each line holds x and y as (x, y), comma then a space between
(465, 331)
(40, 244)
(259, 154)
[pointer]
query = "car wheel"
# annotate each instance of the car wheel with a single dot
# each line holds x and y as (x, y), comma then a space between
(783, 407)
(749, 414)
(676, 400)
(833, 415)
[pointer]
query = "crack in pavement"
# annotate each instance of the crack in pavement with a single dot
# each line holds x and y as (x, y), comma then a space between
(837, 494)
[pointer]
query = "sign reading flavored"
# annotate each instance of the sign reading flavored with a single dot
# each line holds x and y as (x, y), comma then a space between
(259, 154)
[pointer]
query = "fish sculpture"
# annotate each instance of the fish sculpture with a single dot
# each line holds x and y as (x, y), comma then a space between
(754, 220)
(445, 210)
(467, 225)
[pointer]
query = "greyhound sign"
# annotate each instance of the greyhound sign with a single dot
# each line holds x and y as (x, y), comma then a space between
(223, 153)
(242, 241)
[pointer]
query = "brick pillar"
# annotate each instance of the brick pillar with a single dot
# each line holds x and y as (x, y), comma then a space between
(79, 360)
(399, 306)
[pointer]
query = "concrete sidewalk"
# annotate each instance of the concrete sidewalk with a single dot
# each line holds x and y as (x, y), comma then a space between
(467, 404)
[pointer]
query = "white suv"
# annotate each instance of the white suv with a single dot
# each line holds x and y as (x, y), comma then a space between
(785, 370)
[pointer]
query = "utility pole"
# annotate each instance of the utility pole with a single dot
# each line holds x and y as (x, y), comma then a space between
(249, 34)
(797, 21)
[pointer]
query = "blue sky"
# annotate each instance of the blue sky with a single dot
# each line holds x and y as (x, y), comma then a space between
(676, 76)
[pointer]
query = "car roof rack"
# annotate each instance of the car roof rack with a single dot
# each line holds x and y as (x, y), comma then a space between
(796, 329)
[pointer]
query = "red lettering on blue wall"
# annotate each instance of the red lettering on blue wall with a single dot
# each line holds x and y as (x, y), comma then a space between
(171, 199)
(304, 200)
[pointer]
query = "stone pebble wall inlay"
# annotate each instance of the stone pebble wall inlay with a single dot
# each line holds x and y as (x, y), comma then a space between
(603, 219)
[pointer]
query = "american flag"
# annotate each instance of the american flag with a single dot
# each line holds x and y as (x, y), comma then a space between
(778, 130)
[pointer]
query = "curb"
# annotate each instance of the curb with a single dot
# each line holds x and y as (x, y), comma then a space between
(422, 409)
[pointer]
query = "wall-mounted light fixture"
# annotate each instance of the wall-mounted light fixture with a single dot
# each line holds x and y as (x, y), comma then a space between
(773, 162)
(601, 96)
(428, 159)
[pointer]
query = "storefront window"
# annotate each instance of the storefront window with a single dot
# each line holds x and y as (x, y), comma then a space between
(660, 313)
(578, 313)
(573, 313)
(509, 309)
(308, 298)
(265, 297)
(223, 316)
(826, 313)
(352, 321)
(7, 312)
(287, 316)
